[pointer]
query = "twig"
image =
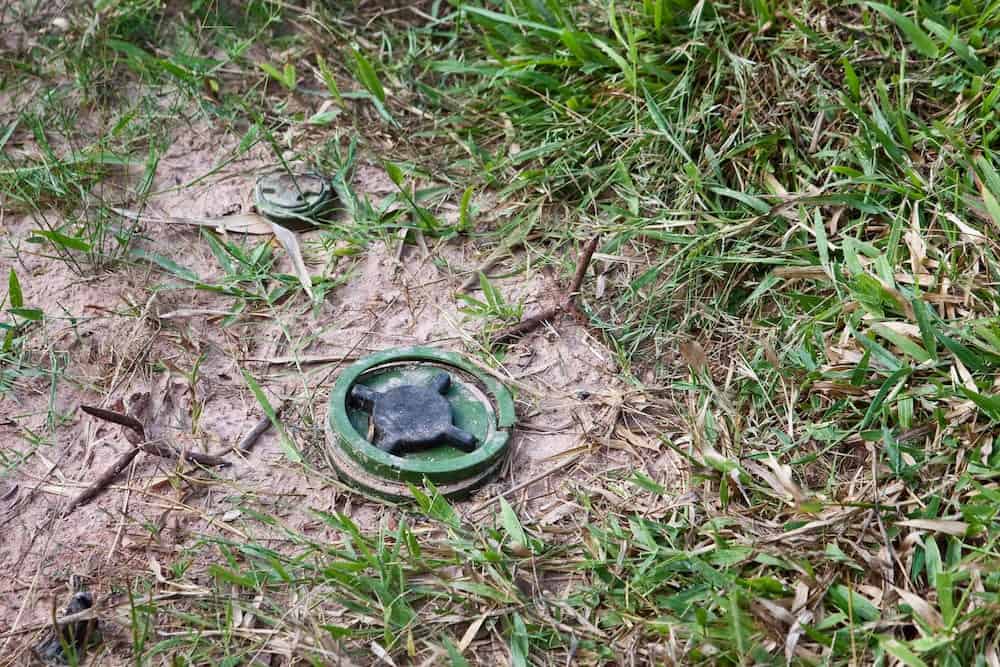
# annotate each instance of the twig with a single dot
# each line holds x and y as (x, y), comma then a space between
(473, 278)
(494, 258)
(532, 322)
(525, 326)
(127, 421)
(250, 439)
(102, 482)
(581, 272)
(148, 446)
(168, 452)
(304, 360)
(135, 433)
(917, 432)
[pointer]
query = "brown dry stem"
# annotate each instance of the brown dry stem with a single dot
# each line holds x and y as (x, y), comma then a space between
(532, 322)
(135, 433)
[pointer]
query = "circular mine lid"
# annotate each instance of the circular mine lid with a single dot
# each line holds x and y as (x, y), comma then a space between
(407, 415)
(286, 197)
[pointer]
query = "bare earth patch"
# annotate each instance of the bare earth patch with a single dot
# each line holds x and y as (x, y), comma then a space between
(137, 329)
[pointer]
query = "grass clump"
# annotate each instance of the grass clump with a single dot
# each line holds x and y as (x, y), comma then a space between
(818, 178)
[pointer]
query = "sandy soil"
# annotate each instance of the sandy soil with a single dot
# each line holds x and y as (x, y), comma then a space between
(136, 329)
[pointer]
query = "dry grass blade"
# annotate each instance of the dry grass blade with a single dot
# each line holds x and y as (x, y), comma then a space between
(290, 243)
(240, 223)
(948, 527)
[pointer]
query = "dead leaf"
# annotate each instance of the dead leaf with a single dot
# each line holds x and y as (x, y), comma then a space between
(291, 245)
(962, 376)
(602, 285)
(778, 478)
(992, 659)
(804, 618)
(775, 186)
(915, 242)
(903, 328)
(903, 303)
(382, 654)
(783, 474)
(771, 355)
(801, 595)
(956, 528)
(694, 355)
(921, 608)
(242, 223)
(801, 272)
(843, 355)
(969, 234)
(776, 611)
(470, 634)
(156, 569)
(637, 440)
(836, 388)
(924, 279)
(236, 607)
(231, 515)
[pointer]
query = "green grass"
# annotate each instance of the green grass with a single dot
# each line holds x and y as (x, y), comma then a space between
(807, 191)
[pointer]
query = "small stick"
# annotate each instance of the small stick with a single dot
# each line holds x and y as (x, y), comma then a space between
(532, 322)
(127, 421)
(525, 326)
(158, 449)
(102, 482)
(581, 272)
(136, 435)
(473, 278)
(250, 439)
(305, 360)
(168, 452)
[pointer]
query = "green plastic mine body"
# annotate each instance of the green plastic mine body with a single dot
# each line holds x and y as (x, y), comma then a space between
(480, 405)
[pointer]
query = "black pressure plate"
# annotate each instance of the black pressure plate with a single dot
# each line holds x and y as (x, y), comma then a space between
(412, 417)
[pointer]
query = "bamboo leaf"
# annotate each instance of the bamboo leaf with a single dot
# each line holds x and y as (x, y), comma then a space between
(368, 77)
(990, 405)
(14, 291)
(956, 44)
(519, 643)
(287, 446)
(512, 525)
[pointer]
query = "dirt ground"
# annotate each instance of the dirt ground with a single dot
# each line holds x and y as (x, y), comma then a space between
(136, 329)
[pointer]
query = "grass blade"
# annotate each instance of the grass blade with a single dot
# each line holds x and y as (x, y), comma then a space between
(287, 446)
(519, 643)
(920, 39)
(14, 293)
